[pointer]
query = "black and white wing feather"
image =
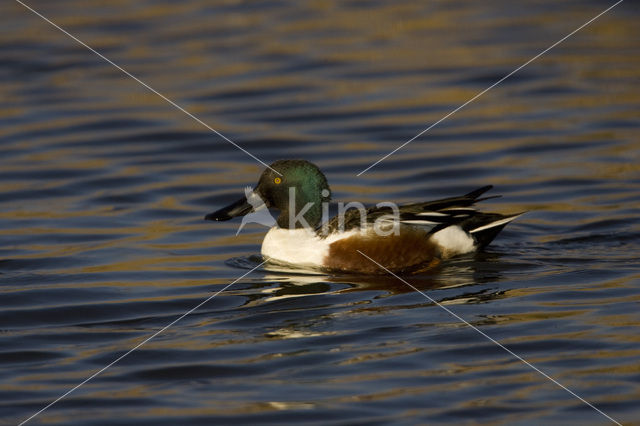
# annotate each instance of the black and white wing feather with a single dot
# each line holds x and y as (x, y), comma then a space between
(432, 216)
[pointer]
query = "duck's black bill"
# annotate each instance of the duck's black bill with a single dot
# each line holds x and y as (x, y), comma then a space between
(239, 208)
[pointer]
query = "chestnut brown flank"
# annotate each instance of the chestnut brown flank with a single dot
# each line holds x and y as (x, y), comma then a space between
(407, 253)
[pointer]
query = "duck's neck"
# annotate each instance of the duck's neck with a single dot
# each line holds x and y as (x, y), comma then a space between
(301, 213)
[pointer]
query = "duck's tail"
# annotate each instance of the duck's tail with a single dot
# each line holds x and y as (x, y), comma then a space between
(485, 226)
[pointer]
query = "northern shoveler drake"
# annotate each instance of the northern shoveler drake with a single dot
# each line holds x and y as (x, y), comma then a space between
(406, 239)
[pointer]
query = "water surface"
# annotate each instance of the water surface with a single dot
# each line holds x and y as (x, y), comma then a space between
(103, 186)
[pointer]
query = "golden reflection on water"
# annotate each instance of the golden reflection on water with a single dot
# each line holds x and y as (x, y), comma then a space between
(341, 86)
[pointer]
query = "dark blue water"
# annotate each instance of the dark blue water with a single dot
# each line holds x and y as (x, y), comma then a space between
(103, 186)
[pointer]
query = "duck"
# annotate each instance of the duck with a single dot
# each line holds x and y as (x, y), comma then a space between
(402, 239)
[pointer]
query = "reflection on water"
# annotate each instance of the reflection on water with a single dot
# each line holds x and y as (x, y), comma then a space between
(457, 272)
(103, 186)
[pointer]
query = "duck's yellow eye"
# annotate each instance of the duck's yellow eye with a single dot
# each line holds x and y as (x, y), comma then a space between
(277, 180)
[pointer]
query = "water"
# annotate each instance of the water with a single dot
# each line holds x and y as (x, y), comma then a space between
(103, 186)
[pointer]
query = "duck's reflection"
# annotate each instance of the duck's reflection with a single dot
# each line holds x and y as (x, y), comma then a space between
(283, 282)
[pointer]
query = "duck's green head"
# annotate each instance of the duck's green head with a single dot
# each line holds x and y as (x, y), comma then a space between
(295, 187)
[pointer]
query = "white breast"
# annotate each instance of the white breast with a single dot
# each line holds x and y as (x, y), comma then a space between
(300, 247)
